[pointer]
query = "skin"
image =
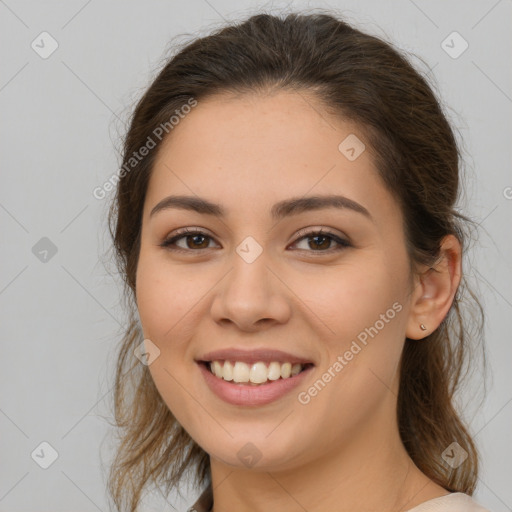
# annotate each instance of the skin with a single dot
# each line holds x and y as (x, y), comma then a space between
(247, 153)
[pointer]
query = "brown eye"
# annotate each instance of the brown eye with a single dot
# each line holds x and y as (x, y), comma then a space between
(192, 240)
(316, 241)
(322, 241)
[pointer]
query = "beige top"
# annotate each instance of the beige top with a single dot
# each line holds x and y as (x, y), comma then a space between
(454, 502)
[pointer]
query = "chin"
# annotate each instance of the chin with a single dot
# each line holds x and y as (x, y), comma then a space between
(257, 453)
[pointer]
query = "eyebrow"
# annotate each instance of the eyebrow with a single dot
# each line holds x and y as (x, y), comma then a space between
(282, 209)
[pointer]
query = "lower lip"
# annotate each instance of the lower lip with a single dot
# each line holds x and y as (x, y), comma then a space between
(247, 394)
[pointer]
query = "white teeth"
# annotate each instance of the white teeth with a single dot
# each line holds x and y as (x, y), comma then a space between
(227, 371)
(241, 372)
(286, 370)
(274, 371)
(217, 368)
(256, 373)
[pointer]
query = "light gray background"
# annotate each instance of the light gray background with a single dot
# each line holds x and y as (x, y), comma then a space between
(61, 121)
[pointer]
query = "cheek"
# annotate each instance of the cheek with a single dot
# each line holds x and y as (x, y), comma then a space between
(165, 301)
(358, 375)
(352, 296)
(362, 312)
(164, 297)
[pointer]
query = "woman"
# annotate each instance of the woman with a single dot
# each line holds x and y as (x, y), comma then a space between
(285, 224)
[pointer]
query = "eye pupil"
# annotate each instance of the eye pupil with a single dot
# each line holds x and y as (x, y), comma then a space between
(317, 237)
(195, 237)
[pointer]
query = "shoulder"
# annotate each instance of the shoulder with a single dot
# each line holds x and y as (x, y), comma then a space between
(454, 502)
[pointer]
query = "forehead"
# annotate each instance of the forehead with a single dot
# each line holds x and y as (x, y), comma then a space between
(258, 148)
(251, 123)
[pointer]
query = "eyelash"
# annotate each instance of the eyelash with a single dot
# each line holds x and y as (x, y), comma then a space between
(186, 232)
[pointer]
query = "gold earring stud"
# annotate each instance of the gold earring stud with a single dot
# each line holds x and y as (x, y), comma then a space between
(422, 327)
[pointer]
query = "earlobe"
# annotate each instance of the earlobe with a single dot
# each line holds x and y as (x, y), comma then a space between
(435, 290)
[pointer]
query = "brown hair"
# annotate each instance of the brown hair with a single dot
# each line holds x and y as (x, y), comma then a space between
(358, 77)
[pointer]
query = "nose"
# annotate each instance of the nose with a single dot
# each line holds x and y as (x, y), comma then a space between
(251, 296)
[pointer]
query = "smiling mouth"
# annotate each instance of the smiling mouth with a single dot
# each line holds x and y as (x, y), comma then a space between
(257, 373)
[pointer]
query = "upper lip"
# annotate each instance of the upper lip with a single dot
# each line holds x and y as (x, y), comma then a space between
(253, 356)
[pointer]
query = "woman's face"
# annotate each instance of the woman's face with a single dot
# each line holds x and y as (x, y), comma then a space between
(259, 277)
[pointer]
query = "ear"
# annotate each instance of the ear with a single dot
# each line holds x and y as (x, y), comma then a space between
(435, 288)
